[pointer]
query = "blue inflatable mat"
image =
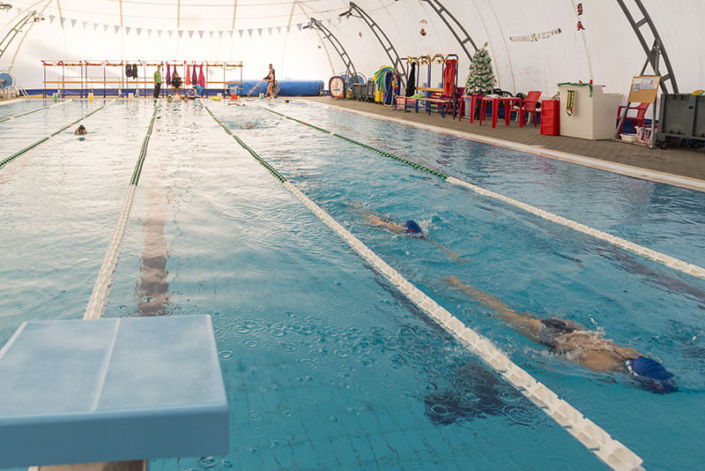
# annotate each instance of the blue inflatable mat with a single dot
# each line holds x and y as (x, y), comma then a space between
(111, 390)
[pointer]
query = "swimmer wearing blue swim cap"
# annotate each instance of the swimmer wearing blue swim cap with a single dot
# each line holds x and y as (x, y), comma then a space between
(576, 343)
(412, 227)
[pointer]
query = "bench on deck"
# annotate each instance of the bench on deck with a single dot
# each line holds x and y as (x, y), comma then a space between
(85, 391)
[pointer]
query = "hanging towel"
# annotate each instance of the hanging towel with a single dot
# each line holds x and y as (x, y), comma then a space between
(168, 74)
(188, 75)
(411, 83)
(449, 74)
(201, 77)
(194, 76)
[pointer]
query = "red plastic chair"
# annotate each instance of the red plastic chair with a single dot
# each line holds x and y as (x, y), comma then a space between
(528, 105)
(638, 120)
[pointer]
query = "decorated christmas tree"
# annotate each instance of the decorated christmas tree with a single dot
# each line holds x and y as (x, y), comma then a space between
(481, 78)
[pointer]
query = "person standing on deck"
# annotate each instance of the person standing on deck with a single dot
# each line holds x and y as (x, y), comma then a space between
(157, 81)
(271, 79)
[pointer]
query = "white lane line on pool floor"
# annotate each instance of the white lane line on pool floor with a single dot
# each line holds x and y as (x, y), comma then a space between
(101, 289)
(622, 169)
(667, 260)
(595, 439)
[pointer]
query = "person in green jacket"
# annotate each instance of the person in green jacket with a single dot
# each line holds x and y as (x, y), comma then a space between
(157, 81)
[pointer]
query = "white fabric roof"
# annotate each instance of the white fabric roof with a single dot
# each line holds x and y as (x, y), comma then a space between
(261, 31)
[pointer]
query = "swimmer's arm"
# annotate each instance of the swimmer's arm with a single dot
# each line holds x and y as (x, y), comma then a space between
(377, 221)
(526, 324)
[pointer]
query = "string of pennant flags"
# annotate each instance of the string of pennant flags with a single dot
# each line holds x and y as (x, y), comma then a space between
(74, 23)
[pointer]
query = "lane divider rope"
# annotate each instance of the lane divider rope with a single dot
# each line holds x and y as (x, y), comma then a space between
(44, 139)
(104, 281)
(595, 439)
(33, 111)
(659, 257)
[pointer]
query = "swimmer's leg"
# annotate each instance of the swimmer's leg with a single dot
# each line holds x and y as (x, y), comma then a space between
(524, 323)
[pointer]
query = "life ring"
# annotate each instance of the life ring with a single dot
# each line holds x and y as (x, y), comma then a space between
(336, 87)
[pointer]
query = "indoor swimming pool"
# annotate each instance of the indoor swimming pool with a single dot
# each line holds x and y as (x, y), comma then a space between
(327, 365)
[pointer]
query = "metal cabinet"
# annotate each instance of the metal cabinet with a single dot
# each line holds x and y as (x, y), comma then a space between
(681, 116)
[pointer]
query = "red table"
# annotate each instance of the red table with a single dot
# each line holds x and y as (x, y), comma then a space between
(495, 109)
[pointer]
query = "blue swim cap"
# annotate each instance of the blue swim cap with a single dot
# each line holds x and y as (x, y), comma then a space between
(651, 375)
(412, 227)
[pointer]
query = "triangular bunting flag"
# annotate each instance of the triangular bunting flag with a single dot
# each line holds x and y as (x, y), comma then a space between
(117, 28)
(84, 24)
(51, 18)
(62, 19)
(270, 31)
(259, 31)
(220, 34)
(288, 29)
(239, 31)
(298, 25)
(149, 32)
(127, 29)
(139, 30)
(170, 33)
(200, 34)
(95, 26)
(279, 29)
(105, 28)
(181, 33)
(249, 31)
(210, 33)
(190, 34)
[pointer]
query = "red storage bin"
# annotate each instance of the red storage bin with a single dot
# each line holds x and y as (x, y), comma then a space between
(550, 117)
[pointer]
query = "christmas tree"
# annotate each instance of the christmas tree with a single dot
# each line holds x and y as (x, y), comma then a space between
(481, 78)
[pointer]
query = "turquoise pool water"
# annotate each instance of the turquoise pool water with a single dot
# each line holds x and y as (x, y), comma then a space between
(326, 365)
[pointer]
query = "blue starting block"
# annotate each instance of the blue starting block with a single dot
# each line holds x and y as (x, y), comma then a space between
(111, 390)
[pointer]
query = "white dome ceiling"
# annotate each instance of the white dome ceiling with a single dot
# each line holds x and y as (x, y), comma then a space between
(533, 44)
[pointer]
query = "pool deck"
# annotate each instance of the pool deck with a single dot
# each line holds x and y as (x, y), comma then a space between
(682, 162)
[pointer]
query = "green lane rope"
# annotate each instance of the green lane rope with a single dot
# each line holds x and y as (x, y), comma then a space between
(24, 114)
(143, 152)
(368, 147)
(254, 154)
(32, 146)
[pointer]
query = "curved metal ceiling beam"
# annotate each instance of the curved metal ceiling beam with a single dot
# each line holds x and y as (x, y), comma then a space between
(381, 37)
(30, 17)
(337, 45)
(463, 36)
(652, 52)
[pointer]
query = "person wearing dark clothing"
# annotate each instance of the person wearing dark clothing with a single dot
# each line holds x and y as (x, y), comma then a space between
(157, 81)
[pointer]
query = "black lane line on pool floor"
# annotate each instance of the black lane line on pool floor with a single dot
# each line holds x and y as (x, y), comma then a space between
(104, 281)
(666, 260)
(35, 144)
(595, 439)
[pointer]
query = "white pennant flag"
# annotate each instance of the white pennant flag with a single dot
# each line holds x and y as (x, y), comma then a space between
(62, 19)
(279, 29)
(259, 31)
(170, 33)
(127, 29)
(139, 30)
(84, 24)
(190, 34)
(210, 33)
(240, 32)
(105, 28)
(117, 28)
(249, 31)
(288, 29)
(220, 34)
(200, 34)
(73, 22)
(149, 32)
(181, 34)
(95, 26)
(298, 25)
(270, 31)
(51, 18)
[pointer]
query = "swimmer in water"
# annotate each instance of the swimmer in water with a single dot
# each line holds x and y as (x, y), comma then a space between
(81, 130)
(409, 227)
(576, 343)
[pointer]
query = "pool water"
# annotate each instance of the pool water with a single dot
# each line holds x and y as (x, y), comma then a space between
(325, 364)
